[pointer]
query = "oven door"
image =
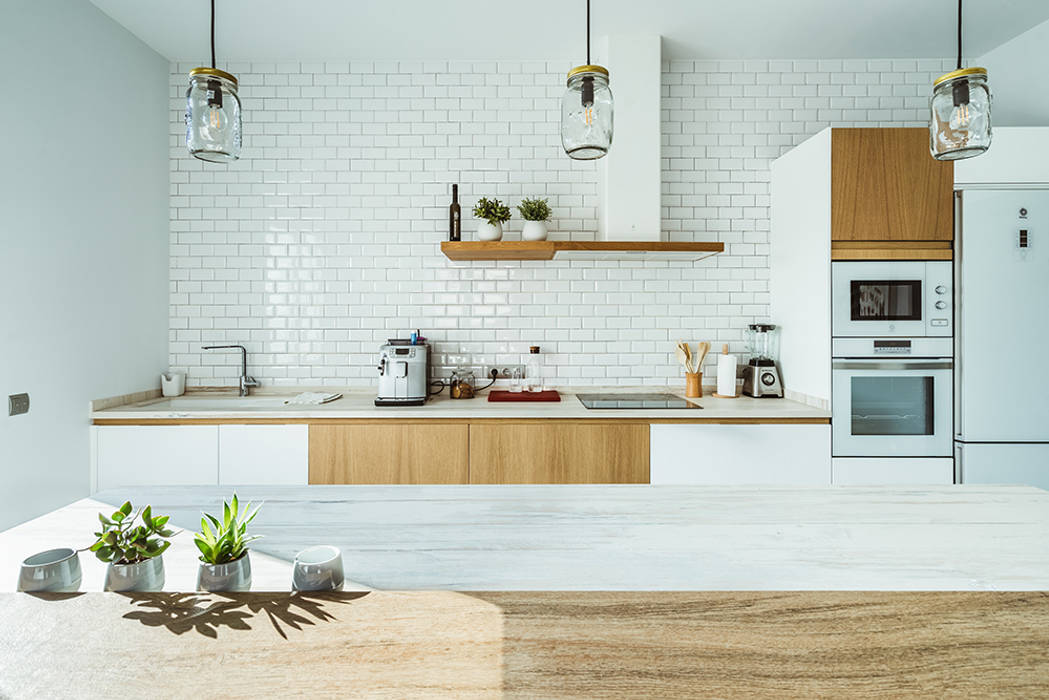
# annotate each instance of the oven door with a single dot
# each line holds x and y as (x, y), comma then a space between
(878, 299)
(892, 408)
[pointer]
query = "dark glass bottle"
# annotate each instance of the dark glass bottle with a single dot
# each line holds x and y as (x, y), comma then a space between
(454, 217)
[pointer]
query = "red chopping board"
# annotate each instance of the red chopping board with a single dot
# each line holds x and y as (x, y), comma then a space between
(524, 396)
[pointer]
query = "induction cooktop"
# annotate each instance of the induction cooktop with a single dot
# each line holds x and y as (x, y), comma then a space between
(635, 401)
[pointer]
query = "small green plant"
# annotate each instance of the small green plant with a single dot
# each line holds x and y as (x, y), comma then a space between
(492, 210)
(534, 209)
(227, 542)
(122, 542)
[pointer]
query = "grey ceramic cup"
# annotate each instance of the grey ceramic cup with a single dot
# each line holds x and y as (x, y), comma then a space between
(231, 576)
(146, 575)
(53, 571)
(318, 569)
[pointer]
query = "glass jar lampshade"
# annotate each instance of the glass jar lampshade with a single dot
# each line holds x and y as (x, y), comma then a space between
(586, 113)
(213, 116)
(960, 126)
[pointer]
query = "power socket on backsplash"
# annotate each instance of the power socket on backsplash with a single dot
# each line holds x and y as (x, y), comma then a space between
(504, 371)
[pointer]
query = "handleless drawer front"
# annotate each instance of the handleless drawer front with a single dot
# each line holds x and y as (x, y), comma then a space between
(559, 453)
(157, 455)
(263, 454)
(400, 453)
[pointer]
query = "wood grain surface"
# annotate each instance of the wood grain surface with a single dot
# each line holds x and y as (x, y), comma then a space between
(886, 187)
(401, 453)
(545, 250)
(559, 453)
(527, 645)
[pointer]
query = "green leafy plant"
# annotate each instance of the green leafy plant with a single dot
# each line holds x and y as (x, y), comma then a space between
(122, 542)
(227, 541)
(492, 210)
(534, 209)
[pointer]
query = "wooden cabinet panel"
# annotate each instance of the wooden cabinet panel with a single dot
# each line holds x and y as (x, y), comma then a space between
(886, 187)
(559, 453)
(397, 453)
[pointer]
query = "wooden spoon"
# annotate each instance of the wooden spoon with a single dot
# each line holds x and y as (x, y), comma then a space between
(701, 350)
(682, 357)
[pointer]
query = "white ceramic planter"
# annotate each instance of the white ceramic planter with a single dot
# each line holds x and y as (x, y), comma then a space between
(146, 575)
(489, 232)
(534, 231)
(231, 576)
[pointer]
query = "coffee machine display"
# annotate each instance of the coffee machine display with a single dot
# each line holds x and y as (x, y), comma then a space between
(760, 375)
(404, 373)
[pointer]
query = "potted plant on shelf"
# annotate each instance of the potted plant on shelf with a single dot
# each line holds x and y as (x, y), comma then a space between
(536, 212)
(225, 565)
(132, 552)
(494, 214)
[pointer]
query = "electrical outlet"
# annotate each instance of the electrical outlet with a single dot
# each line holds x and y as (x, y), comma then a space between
(17, 404)
(503, 370)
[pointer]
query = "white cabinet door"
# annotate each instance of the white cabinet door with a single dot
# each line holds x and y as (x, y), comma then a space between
(157, 455)
(264, 454)
(880, 471)
(1004, 464)
(777, 454)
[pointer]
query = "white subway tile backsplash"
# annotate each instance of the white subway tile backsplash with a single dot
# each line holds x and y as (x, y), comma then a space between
(323, 239)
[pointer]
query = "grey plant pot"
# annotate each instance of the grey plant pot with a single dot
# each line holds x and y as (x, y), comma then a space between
(146, 575)
(53, 571)
(231, 576)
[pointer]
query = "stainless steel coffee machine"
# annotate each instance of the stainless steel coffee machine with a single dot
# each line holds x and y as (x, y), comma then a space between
(404, 373)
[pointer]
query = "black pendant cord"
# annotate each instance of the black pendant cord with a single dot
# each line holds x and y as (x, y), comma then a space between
(959, 33)
(587, 29)
(213, 32)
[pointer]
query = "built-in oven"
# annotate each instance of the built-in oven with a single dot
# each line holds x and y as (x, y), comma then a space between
(891, 298)
(892, 397)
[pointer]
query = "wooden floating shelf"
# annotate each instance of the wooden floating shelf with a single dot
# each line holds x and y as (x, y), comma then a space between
(579, 250)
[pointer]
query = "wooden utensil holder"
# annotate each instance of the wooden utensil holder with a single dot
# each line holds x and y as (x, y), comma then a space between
(693, 384)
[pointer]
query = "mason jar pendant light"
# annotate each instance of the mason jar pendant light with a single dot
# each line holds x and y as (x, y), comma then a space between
(960, 106)
(586, 108)
(212, 111)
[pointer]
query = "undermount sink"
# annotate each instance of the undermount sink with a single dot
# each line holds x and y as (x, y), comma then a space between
(216, 403)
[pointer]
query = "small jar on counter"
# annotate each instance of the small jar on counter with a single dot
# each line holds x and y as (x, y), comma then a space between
(533, 370)
(462, 383)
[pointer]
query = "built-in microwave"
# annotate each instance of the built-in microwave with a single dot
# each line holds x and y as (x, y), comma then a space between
(891, 298)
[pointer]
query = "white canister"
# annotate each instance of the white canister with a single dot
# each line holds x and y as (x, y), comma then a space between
(726, 373)
(173, 383)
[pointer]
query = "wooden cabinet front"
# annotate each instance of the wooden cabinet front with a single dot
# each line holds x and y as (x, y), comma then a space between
(389, 453)
(885, 186)
(559, 453)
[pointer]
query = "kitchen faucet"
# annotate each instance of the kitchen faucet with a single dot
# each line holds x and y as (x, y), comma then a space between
(245, 380)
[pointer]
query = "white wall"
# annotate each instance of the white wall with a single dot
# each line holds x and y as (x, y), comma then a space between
(323, 239)
(1015, 71)
(83, 238)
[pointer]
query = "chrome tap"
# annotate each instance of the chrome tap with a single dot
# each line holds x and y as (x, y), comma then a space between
(245, 380)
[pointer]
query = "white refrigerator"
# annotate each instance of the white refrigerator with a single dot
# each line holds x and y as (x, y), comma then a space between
(1001, 418)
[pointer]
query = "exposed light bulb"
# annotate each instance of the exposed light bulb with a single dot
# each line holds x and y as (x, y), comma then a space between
(960, 117)
(216, 117)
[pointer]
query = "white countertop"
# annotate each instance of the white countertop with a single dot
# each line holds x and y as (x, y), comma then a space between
(360, 404)
(597, 537)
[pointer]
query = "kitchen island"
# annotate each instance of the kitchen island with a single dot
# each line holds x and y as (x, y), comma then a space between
(565, 591)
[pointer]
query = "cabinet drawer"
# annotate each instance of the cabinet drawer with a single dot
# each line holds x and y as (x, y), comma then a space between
(159, 455)
(263, 454)
(400, 453)
(559, 453)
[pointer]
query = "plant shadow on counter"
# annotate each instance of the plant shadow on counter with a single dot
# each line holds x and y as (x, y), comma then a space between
(207, 613)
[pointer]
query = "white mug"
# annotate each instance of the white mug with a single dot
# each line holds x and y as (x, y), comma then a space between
(173, 383)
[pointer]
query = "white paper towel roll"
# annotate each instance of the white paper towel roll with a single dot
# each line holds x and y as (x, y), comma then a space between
(727, 374)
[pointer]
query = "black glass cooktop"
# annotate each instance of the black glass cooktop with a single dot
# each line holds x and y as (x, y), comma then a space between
(635, 401)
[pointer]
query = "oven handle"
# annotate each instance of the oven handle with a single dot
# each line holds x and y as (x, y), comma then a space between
(892, 365)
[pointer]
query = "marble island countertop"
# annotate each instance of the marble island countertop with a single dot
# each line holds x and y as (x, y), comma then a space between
(359, 404)
(594, 537)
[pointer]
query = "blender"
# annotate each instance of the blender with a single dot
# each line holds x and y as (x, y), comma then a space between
(760, 376)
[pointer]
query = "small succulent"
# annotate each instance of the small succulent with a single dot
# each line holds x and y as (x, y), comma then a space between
(121, 542)
(227, 541)
(534, 209)
(492, 210)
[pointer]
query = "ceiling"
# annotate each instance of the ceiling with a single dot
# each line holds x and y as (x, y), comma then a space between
(305, 30)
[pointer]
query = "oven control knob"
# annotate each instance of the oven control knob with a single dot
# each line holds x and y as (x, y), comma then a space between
(940, 289)
(941, 305)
